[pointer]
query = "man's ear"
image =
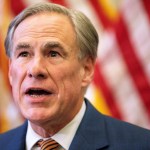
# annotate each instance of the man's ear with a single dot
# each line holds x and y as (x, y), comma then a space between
(9, 72)
(88, 66)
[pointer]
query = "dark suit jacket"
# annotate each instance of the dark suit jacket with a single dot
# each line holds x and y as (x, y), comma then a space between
(96, 132)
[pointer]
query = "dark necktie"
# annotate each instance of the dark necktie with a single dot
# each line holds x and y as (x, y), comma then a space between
(48, 144)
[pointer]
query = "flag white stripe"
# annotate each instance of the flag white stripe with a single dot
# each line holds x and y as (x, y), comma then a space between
(139, 30)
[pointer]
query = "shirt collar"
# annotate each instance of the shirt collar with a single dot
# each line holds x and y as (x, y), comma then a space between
(31, 138)
(64, 137)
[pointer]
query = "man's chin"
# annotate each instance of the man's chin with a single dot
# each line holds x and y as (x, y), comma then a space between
(34, 115)
(37, 120)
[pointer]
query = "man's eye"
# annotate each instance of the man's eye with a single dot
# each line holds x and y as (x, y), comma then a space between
(23, 54)
(53, 54)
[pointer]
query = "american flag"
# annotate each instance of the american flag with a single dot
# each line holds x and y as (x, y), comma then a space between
(121, 85)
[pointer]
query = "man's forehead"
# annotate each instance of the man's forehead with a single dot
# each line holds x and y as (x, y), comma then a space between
(43, 22)
(50, 16)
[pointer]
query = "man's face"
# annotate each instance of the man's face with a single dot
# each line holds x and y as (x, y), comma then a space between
(46, 75)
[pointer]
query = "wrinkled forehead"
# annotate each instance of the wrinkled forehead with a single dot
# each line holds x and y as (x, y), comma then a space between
(46, 19)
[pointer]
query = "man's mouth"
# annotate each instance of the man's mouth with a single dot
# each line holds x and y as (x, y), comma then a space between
(37, 92)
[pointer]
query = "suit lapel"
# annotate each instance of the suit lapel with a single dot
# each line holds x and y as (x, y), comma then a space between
(91, 134)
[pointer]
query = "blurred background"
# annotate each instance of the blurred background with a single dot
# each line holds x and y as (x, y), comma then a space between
(121, 85)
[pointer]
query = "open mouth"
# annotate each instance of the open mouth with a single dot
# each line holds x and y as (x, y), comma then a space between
(37, 92)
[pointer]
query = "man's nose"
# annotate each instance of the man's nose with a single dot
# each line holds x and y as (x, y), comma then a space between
(37, 69)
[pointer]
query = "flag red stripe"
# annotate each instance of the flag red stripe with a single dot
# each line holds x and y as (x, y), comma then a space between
(61, 2)
(17, 6)
(100, 12)
(128, 52)
(100, 82)
(147, 7)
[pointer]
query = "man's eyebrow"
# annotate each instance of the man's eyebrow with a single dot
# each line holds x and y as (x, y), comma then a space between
(23, 46)
(52, 45)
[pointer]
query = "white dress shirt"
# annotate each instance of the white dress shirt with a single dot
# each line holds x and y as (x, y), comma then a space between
(64, 137)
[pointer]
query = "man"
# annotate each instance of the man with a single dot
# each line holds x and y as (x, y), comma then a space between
(52, 52)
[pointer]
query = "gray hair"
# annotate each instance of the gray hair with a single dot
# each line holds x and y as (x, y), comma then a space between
(86, 35)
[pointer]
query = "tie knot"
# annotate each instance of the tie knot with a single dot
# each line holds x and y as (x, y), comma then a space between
(48, 144)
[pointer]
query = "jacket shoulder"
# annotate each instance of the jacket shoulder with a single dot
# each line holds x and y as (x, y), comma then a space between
(10, 137)
(9, 134)
(116, 133)
(123, 132)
